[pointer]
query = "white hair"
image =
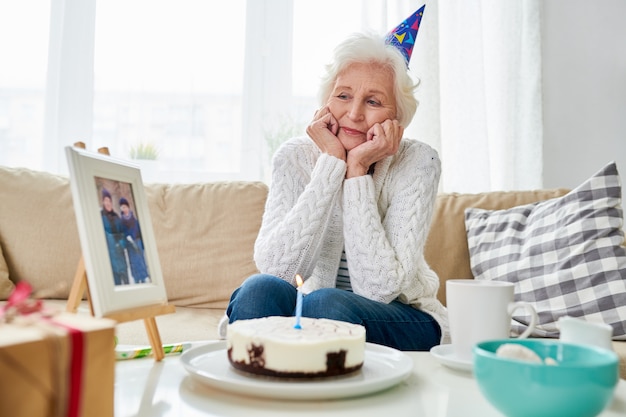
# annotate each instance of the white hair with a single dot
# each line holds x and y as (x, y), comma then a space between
(369, 48)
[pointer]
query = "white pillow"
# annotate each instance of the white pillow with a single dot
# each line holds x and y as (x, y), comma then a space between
(565, 255)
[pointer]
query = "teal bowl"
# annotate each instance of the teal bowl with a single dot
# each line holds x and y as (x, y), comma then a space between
(581, 384)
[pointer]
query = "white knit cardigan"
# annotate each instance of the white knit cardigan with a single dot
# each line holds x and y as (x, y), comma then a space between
(382, 220)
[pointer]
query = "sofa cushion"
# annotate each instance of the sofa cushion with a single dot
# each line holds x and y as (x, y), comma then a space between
(204, 234)
(38, 233)
(564, 255)
(446, 248)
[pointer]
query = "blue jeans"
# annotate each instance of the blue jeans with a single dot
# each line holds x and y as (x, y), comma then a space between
(395, 324)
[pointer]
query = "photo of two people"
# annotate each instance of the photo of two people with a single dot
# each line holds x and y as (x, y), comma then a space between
(122, 232)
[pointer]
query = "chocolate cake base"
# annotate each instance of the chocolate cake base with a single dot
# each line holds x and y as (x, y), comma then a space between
(335, 366)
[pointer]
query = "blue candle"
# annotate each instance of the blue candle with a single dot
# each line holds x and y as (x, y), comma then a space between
(298, 302)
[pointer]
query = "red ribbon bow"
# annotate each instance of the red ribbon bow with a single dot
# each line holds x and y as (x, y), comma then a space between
(21, 300)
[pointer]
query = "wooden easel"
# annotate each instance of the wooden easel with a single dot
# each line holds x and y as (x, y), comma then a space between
(147, 313)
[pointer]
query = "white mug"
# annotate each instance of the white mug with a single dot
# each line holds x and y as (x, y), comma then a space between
(480, 310)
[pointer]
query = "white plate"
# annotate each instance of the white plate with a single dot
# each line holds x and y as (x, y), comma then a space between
(383, 367)
(445, 355)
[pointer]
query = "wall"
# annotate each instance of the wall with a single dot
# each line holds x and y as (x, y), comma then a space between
(584, 89)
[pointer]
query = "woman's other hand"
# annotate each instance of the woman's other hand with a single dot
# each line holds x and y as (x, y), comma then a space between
(383, 140)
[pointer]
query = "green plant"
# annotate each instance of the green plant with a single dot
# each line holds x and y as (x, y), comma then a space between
(143, 150)
(285, 129)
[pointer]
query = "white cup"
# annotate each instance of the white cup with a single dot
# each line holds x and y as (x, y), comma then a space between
(575, 330)
(480, 310)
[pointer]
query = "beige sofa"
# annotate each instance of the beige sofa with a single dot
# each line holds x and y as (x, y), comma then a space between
(204, 234)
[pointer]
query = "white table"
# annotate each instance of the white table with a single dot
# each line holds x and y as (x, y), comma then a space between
(145, 388)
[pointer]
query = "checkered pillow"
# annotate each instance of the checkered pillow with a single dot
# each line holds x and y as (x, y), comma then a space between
(564, 255)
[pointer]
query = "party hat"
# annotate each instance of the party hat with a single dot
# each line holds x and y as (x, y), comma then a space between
(403, 36)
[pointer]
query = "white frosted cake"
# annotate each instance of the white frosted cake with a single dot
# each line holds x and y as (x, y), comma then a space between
(272, 346)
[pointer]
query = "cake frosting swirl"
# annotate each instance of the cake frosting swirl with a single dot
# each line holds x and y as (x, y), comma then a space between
(272, 346)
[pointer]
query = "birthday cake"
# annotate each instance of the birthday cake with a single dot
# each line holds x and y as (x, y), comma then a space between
(272, 346)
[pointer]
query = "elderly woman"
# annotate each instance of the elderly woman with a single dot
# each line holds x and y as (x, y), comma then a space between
(349, 209)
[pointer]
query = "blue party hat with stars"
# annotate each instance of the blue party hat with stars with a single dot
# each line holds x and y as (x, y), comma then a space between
(403, 36)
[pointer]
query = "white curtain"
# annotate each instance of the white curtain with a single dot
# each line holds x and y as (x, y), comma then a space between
(69, 81)
(480, 98)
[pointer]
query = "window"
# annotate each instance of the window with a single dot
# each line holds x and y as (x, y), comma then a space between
(212, 88)
(208, 89)
(23, 53)
(168, 75)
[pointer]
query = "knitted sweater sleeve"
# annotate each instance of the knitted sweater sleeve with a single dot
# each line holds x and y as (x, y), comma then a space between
(385, 234)
(305, 186)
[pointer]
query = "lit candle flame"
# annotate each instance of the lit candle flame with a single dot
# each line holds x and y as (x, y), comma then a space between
(299, 280)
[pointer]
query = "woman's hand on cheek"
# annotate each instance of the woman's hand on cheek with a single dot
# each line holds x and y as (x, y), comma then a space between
(323, 130)
(383, 140)
(386, 136)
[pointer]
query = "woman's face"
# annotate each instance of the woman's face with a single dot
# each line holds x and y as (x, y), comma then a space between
(106, 202)
(125, 209)
(362, 96)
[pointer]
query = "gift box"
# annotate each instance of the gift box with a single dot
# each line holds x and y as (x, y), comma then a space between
(57, 365)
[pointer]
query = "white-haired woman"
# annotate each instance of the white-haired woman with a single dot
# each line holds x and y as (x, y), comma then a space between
(349, 209)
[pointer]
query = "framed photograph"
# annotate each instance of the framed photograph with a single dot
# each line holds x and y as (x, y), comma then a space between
(115, 230)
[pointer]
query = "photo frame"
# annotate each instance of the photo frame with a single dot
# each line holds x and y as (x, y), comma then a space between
(115, 230)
